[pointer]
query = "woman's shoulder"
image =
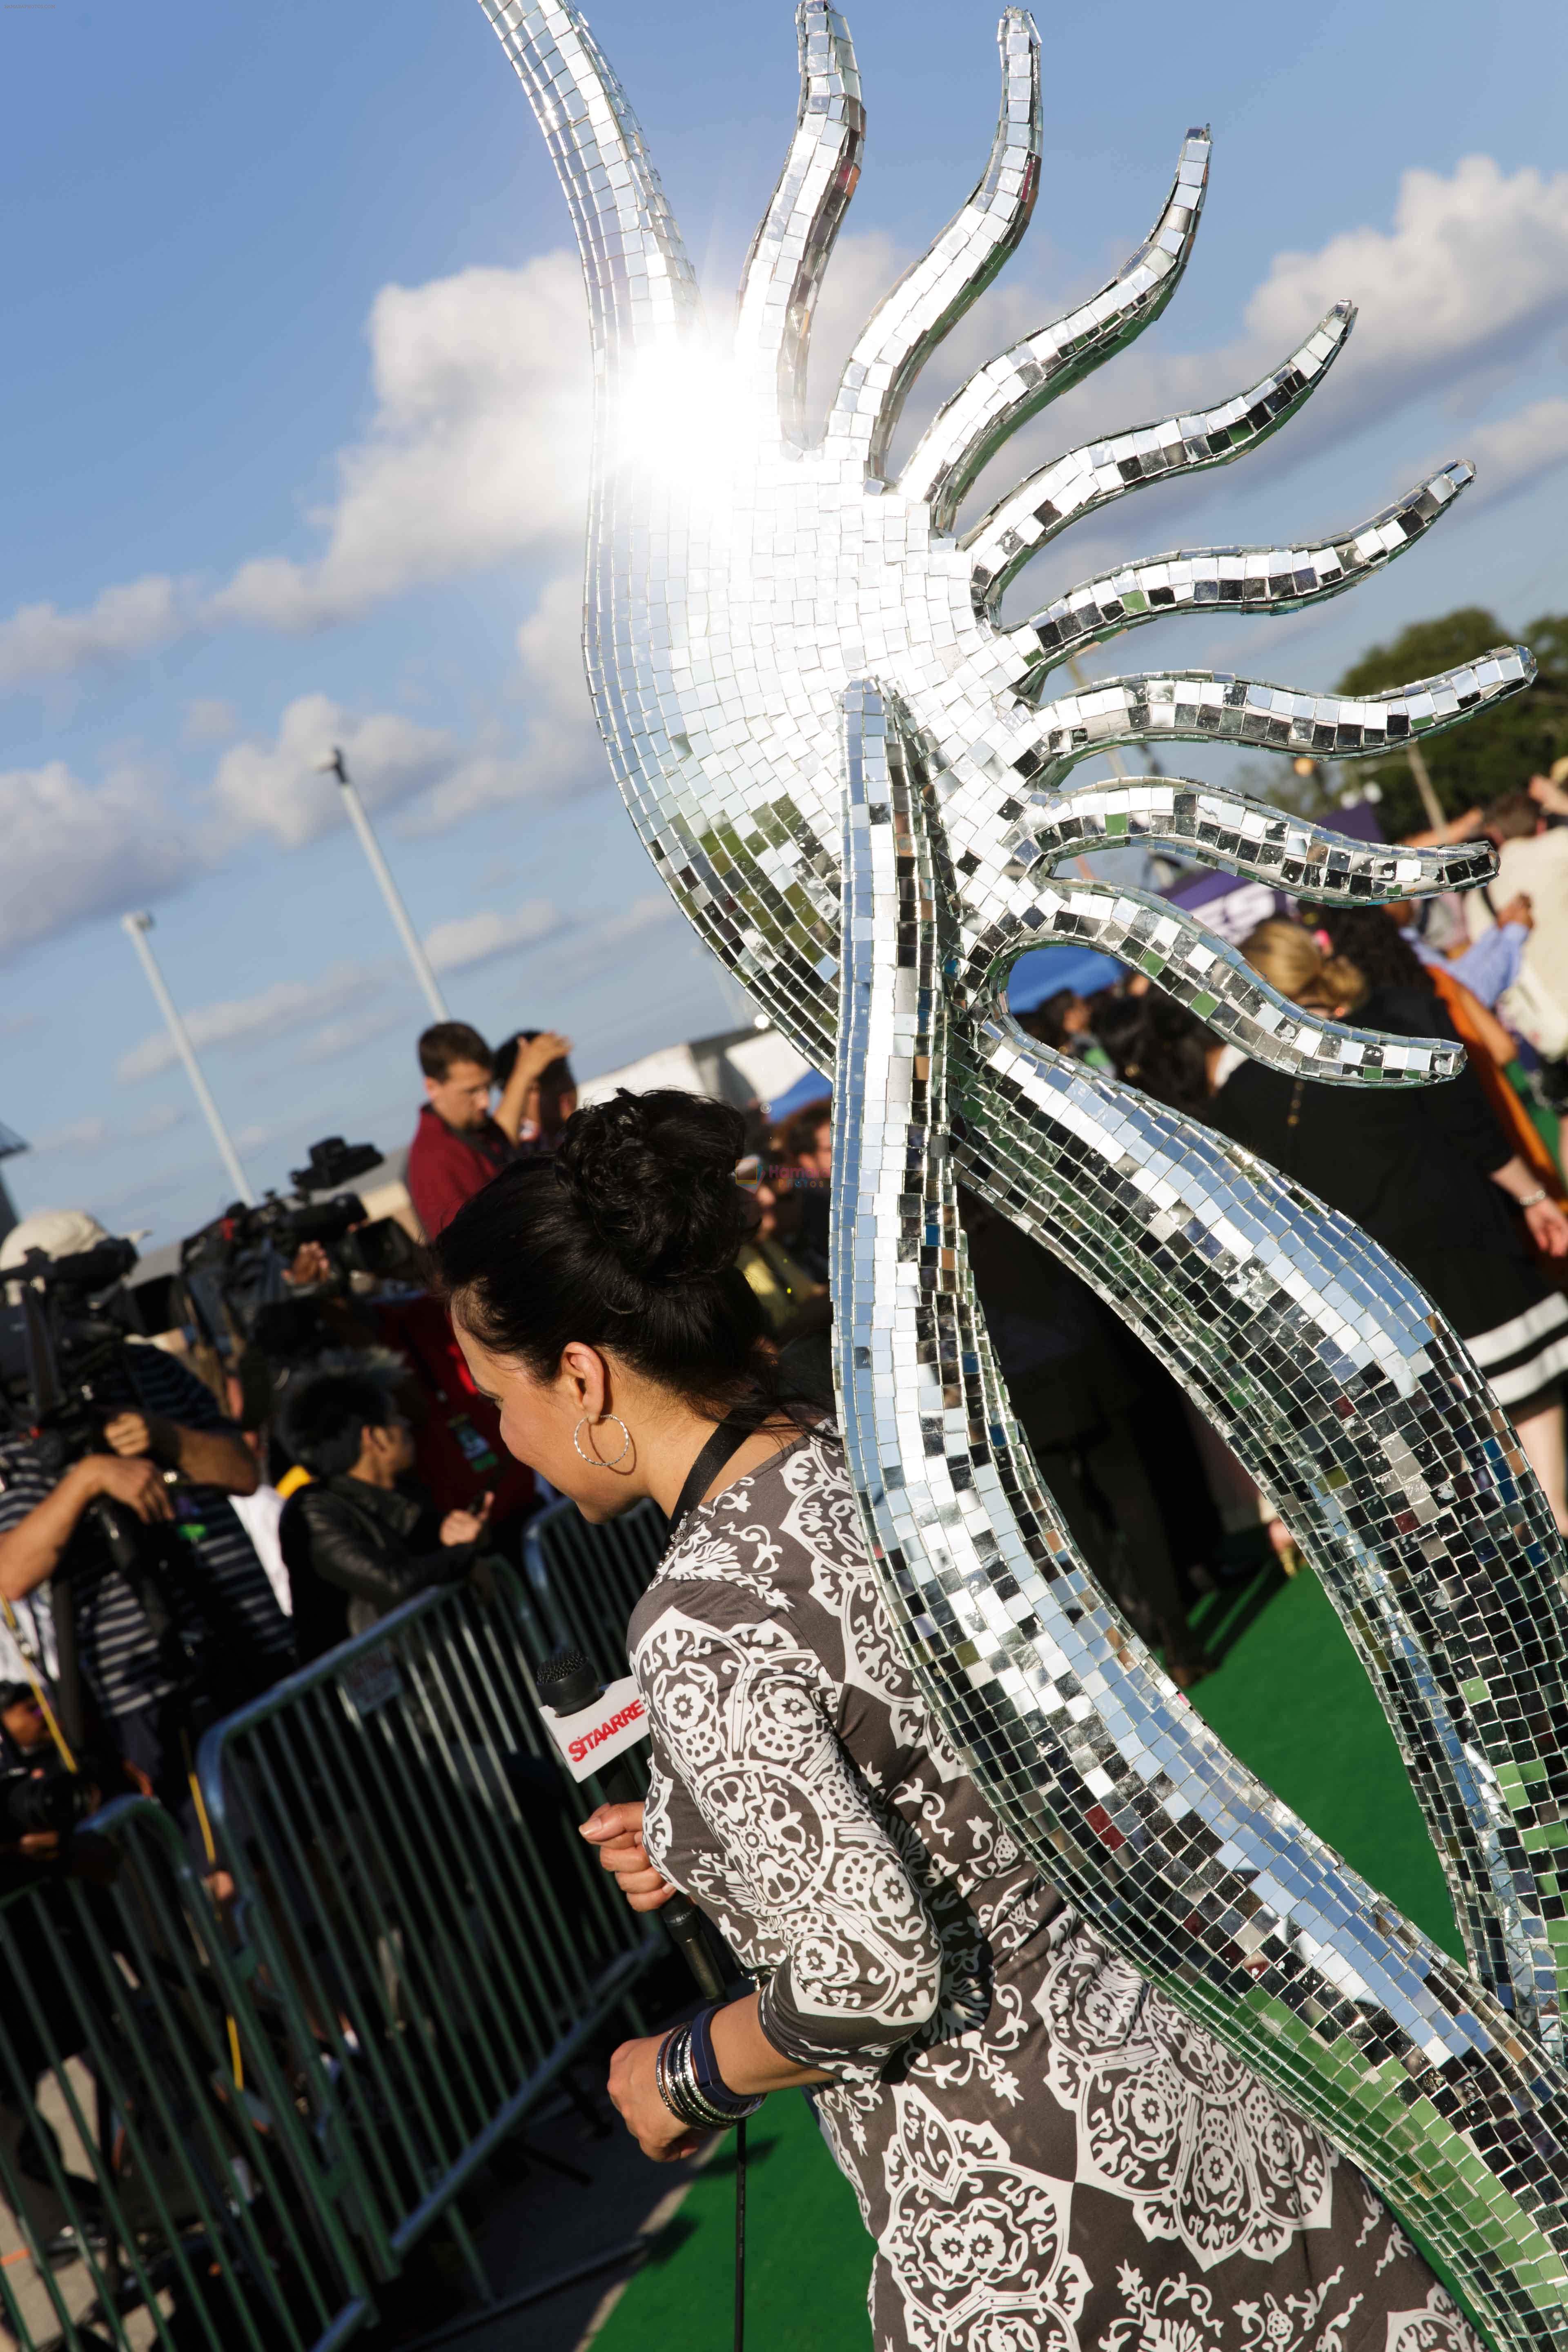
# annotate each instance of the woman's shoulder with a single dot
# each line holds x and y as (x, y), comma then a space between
(1409, 1009)
(1252, 1089)
(765, 1543)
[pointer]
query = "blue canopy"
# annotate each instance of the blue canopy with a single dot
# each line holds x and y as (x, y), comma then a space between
(1043, 971)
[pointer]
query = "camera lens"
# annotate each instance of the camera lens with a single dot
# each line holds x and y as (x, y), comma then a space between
(31, 1803)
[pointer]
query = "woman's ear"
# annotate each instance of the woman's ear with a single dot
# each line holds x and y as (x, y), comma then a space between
(585, 1377)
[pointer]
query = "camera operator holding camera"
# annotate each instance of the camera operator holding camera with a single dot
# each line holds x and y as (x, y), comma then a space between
(41, 1801)
(40, 1804)
(173, 1621)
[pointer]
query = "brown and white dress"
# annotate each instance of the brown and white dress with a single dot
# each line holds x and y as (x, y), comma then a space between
(1049, 2157)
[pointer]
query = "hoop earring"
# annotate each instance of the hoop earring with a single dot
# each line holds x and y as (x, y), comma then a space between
(597, 1459)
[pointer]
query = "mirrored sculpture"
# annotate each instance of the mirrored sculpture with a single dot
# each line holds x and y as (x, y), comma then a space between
(858, 783)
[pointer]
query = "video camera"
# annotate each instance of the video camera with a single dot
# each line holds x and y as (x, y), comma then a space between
(243, 1252)
(33, 1801)
(71, 1317)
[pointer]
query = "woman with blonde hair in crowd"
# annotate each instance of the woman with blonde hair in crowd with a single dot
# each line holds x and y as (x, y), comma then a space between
(1427, 1172)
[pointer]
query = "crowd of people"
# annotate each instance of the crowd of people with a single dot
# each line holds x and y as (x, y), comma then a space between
(1461, 1182)
(263, 1545)
(202, 1549)
(206, 1543)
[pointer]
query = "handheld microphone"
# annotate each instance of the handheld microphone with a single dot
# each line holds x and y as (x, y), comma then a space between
(593, 1726)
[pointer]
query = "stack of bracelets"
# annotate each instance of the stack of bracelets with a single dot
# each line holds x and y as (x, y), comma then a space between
(689, 2082)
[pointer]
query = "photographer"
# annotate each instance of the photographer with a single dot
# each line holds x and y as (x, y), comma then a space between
(31, 1772)
(361, 1538)
(458, 1147)
(179, 1625)
(43, 2019)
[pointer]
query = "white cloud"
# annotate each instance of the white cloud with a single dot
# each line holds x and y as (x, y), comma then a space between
(564, 749)
(209, 720)
(336, 1038)
(253, 1138)
(477, 450)
(1512, 453)
(477, 939)
(74, 852)
(86, 1138)
(39, 640)
(78, 1136)
(289, 1004)
(158, 1118)
(645, 914)
(476, 453)
(277, 787)
(1471, 276)
(1474, 271)
(485, 779)
(470, 939)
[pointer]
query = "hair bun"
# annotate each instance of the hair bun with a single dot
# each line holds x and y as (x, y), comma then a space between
(654, 1176)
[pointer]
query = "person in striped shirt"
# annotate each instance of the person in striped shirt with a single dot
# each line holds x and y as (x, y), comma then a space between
(169, 1455)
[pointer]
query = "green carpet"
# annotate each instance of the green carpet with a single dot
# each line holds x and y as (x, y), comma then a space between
(1292, 1701)
(807, 2257)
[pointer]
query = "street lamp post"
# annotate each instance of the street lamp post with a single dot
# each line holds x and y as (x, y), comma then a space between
(136, 928)
(389, 891)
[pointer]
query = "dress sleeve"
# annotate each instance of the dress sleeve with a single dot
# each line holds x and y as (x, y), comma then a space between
(764, 1808)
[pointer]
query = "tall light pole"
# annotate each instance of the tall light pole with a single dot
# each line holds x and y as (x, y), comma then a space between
(136, 928)
(383, 873)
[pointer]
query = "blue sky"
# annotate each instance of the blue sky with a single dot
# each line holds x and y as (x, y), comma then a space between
(294, 419)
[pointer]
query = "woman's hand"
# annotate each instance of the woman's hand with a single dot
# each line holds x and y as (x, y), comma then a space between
(616, 1831)
(634, 2088)
(1548, 1228)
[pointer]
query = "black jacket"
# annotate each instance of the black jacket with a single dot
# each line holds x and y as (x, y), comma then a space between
(353, 1551)
(1412, 1165)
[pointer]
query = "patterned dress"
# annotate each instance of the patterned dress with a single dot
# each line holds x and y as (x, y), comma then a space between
(1049, 2157)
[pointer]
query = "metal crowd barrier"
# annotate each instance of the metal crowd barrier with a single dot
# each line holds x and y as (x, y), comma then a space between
(587, 1579)
(416, 1915)
(225, 2134)
(163, 2187)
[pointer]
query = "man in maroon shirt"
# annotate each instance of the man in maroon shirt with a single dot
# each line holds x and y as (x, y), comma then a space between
(458, 1146)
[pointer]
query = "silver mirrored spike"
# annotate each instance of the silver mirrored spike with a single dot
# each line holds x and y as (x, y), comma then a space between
(1222, 1897)
(1263, 580)
(1098, 473)
(742, 579)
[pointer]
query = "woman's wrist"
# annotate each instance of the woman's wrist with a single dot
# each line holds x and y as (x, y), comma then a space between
(1531, 1200)
(690, 2084)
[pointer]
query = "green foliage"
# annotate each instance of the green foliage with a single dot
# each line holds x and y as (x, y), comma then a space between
(1485, 757)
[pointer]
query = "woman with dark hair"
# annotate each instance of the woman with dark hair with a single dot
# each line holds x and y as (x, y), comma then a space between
(1046, 2152)
(550, 1093)
(1156, 1045)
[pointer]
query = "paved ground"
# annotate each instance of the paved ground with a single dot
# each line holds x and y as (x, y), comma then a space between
(532, 2223)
